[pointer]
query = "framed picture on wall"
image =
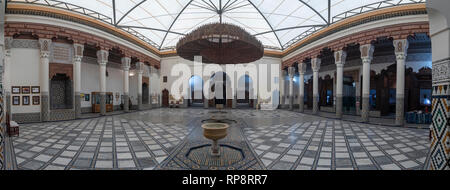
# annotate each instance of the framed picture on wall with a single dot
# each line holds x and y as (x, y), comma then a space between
(25, 100)
(35, 89)
(36, 100)
(87, 97)
(15, 89)
(26, 90)
(16, 100)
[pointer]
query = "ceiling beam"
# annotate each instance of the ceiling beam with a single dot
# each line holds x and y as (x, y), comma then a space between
(309, 6)
(281, 45)
(289, 28)
(149, 28)
(129, 11)
(171, 25)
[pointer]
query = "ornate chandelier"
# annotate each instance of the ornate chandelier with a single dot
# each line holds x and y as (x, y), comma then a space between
(220, 43)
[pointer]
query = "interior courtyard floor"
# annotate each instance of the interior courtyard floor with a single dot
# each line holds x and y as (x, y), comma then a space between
(163, 138)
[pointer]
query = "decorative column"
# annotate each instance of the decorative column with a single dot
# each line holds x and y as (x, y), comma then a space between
(150, 72)
(206, 95)
(357, 79)
(78, 56)
(44, 78)
(4, 154)
(234, 101)
(301, 80)
(291, 71)
(439, 17)
(401, 51)
(7, 76)
(315, 64)
(126, 61)
(283, 88)
(339, 57)
(366, 56)
(102, 59)
(140, 71)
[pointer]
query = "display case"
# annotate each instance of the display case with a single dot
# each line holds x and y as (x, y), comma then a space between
(95, 99)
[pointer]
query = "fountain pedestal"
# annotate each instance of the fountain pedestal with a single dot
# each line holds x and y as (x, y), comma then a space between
(215, 132)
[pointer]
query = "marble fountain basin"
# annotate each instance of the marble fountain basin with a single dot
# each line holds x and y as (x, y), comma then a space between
(215, 132)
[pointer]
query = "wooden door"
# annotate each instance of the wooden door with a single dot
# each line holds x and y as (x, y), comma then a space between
(165, 98)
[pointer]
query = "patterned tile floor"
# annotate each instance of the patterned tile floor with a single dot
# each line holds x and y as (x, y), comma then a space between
(282, 140)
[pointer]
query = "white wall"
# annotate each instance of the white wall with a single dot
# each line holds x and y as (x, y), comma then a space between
(90, 82)
(25, 72)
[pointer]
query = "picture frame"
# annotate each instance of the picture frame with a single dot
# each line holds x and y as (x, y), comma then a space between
(16, 100)
(36, 100)
(26, 90)
(36, 89)
(26, 100)
(87, 97)
(15, 90)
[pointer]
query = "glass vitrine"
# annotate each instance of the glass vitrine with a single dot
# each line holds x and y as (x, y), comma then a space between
(96, 98)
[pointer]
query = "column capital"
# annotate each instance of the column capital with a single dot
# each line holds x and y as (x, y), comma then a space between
(8, 43)
(291, 71)
(139, 67)
(340, 57)
(367, 51)
(78, 50)
(102, 57)
(315, 64)
(126, 62)
(401, 48)
(44, 46)
(302, 68)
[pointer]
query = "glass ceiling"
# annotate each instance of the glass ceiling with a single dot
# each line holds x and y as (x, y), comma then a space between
(278, 24)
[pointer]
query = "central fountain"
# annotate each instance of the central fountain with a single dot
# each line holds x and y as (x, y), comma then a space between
(215, 132)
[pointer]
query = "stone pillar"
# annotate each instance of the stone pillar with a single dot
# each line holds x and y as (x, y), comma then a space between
(339, 57)
(4, 154)
(151, 70)
(301, 80)
(366, 56)
(315, 64)
(401, 51)
(102, 59)
(44, 78)
(126, 61)
(235, 85)
(7, 76)
(206, 95)
(283, 88)
(439, 17)
(78, 56)
(291, 71)
(139, 72)
(358, 94)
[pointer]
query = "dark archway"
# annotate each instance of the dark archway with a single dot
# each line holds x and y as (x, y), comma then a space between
(165, 98)
(61, 92)
(245, 92)
(220, 92)
(196, 91)
(145, 93)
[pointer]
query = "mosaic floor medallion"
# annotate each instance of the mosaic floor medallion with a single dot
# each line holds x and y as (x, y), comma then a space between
(195, 151)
